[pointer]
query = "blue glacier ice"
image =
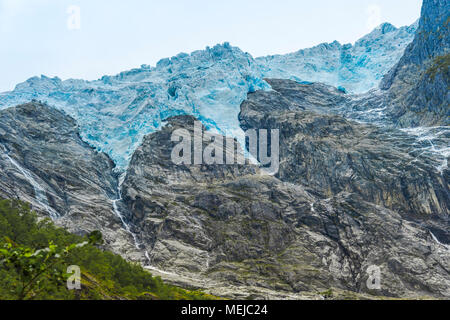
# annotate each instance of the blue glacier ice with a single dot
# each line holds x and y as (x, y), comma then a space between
(114, 113)
(353, 68)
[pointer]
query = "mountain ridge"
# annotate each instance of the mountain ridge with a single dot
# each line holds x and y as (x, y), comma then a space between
(116, 112)
(418, 84)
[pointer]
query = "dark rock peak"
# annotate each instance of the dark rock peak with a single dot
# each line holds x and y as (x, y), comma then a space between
(181, 121)
(288, 95)
(40, 112)
(331, 154)
(332, 212)
(432, 38)
(417, 86)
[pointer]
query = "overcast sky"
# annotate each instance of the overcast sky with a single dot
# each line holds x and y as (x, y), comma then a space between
(87, 39)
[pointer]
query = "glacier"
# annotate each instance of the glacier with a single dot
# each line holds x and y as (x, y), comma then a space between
(354, 68)
(114, 113)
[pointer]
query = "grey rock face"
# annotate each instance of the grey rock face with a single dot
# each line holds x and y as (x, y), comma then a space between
(44, 161)
(418, 86)
(231, 230)
(330, 154)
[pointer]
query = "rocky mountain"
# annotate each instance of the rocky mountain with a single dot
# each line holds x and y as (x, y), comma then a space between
(359, 185)
(228, 229)
(418, 86)
(46, 163)
(378, 163)
(236, 231)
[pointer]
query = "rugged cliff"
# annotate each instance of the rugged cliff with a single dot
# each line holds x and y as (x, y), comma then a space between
(330, 154)
(418, 86)
(45, 162)
(232, 230)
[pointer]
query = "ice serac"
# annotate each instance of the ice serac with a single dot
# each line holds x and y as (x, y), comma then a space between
(418, 86)
(115, 112)
(356, 68)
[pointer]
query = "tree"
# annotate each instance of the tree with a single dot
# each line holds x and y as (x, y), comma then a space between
(95, 238)
(36, 270)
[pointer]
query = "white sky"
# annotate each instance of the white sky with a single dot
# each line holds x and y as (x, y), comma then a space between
(42, 36)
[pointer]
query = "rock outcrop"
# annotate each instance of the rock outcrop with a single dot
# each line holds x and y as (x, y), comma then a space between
(330, 154)
(418, 86)
(44, 161)
(230, 229)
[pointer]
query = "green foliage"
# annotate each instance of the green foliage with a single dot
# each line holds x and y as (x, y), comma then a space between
(35, 270)
(327, 294)
(35, 254)
(440, 65)
(95, 237)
